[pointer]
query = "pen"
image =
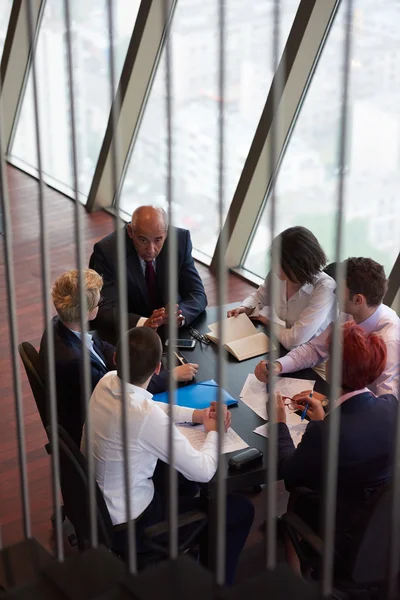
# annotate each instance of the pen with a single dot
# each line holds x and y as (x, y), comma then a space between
(303, 414)
(180, 358)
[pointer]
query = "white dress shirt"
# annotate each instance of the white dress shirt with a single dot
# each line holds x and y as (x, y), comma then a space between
(148, 426)
(305, 315)
(88, 341)
(383, 321)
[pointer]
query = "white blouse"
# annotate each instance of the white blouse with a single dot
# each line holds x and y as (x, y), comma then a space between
(304, 316)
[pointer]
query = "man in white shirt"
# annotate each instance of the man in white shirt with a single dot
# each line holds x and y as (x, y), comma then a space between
(366, 287)
(148, 434)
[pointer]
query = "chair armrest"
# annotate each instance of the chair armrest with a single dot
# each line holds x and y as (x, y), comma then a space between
(189, 518)
(294, 525)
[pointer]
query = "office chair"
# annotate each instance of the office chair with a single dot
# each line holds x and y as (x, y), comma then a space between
(75, 490)
(30, 359)
(331, 270)
(362, 573)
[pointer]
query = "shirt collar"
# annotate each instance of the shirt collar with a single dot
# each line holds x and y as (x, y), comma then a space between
(88, 338)
(370, 324)
(143, 262)
(138, 392)
(349, 395)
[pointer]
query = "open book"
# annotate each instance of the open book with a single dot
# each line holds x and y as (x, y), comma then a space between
(241, 338)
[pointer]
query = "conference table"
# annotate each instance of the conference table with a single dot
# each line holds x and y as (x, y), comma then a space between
(244, 420)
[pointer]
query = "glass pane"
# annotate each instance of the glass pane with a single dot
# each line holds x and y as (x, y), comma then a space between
(307, 185)
(195, 111)
(4, 18)
(91, 79)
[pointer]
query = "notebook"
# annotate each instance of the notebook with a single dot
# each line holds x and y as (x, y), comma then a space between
(241, 338)
(197, 395)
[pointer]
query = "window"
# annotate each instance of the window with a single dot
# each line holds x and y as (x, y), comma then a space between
(307, 184)
(4, 18)
(90, 49)
(194, 50)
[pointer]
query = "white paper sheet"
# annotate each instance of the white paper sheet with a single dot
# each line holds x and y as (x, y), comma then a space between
(287, 386)
(196, 436)
(295, 425)
(258, 403)
(252, 386)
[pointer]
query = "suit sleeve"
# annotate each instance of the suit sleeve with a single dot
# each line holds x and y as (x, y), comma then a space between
(191, 289)
(300, 466)
(158, 383)
(108, 351)
(108, 313)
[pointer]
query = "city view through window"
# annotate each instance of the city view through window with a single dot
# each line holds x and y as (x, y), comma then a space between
(90, 48)
(248, 75)
(307, 184)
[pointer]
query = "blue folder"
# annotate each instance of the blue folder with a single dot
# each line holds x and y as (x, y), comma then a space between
(197, 395)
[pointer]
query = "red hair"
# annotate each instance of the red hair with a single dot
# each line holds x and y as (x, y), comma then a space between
(364, 357)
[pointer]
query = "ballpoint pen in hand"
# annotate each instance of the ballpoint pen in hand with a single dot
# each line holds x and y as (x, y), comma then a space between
(303, 414)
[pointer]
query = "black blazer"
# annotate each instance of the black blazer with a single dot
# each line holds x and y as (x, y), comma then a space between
(68, 367)
(366, 449)
(192, 298)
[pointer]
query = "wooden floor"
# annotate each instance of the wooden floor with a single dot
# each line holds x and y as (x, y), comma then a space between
(23, 194)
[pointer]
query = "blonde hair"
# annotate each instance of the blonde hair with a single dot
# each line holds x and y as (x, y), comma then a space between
(65, 293)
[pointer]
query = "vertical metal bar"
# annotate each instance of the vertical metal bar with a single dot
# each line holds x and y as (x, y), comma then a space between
(122, 288)
(13, 329)
(82, 284)
(331, 454)
(172, 289)
(45, 252)
(272, 448)
(392, 590)
(221, 277)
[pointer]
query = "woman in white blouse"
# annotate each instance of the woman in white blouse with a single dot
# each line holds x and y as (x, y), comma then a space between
(306, 299)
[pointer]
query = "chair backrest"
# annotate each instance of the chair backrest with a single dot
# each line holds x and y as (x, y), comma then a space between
(31, 362)
(368, 559)
(331, 270)
(74, 482)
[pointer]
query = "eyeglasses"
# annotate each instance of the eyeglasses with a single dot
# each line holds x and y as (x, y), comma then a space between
(198, 336)
(100, 302)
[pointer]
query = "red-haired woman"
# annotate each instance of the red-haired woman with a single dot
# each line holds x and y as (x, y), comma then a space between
(366, 441)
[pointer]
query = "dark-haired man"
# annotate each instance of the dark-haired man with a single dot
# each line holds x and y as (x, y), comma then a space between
(365, 289)
(148, 434)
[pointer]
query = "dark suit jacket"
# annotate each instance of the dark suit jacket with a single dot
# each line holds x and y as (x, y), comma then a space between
(366, 447)
(192, 299)
(69, 374)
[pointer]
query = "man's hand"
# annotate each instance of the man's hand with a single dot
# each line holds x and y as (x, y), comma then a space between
(156, 320)
(238, 311)
(210, 424)
(264, 368)
(177, 313)
(185, 372)
(226, 413)
(315, 409)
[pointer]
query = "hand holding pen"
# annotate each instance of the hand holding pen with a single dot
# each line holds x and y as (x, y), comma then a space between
(310, 403)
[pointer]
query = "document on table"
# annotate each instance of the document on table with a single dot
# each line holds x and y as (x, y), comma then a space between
(197, 436)
(257, 403)
(295, 425)
(287, 386)
(254, 392)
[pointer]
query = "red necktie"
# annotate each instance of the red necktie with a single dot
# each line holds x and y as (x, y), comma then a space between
(150, 276)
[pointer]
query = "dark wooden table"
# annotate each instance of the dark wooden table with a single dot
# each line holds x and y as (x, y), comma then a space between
(244, 420)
